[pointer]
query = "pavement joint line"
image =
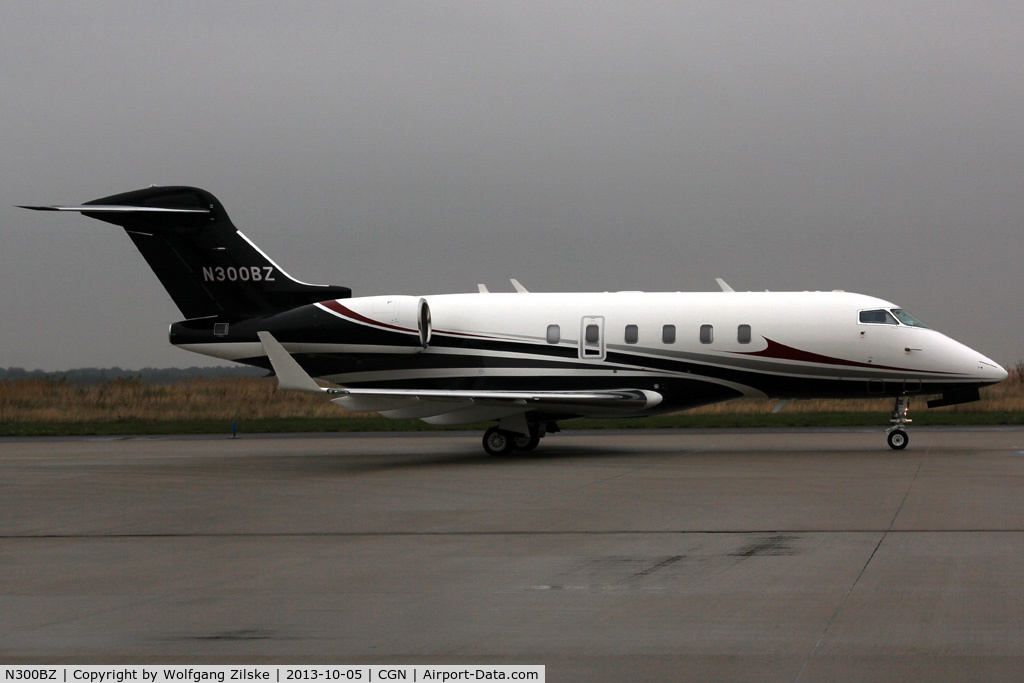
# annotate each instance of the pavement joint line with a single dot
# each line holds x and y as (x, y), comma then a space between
(853, 586)
(431, 534)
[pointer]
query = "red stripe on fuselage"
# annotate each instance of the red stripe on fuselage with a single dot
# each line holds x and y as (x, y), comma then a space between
(783, 352)
(341, 310)
(336, 307)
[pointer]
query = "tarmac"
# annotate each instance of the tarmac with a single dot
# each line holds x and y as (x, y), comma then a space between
(776, 555)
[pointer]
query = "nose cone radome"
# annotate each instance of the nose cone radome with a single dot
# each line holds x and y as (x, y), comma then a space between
(959, 359)
(990, 371)
(982, 368)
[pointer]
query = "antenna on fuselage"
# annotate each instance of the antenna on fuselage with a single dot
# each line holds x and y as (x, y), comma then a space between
(724, 285)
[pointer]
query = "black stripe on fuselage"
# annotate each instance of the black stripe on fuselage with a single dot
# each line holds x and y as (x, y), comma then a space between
(538, 363)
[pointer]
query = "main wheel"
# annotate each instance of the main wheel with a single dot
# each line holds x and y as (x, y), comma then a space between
(498, 442)
(525, 442)
(898, 439)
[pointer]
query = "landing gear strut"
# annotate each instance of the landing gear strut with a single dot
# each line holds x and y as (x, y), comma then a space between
(897, 434)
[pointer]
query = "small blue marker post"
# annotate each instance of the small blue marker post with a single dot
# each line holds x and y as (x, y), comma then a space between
(234, 430)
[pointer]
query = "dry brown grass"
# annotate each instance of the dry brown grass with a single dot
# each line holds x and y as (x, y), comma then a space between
(199, 399)
(257, 398)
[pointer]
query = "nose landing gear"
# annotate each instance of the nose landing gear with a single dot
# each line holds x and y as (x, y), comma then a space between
(897, 434)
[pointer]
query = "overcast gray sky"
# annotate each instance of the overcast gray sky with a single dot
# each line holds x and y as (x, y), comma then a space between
(423, 147)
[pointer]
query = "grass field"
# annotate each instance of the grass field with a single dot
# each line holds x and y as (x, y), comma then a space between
(47, 407)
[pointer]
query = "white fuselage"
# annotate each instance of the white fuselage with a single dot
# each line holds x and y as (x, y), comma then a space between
(692, 347)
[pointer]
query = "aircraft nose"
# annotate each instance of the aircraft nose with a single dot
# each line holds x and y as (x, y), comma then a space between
(977, 366)
(991, 371)
(985, 369)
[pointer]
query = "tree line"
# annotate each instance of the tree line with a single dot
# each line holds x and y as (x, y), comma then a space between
(148, 375)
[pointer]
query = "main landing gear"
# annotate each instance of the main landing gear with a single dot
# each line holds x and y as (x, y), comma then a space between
(501, 442)
(897, 434)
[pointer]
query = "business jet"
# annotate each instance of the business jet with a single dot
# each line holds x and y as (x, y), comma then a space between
(527, 361)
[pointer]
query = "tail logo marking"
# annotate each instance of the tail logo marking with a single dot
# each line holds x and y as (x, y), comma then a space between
(242, 274)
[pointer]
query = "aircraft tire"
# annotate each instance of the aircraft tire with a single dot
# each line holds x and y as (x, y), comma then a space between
(898, 439)
(498, 442)
(527, 443)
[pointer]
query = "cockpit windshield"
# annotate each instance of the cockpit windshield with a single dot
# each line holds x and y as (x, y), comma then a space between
(908, 319)
(897, 316)
(878, 317)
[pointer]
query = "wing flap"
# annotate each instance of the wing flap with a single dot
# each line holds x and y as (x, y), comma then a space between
(621, 398)
(460, 407)
(473, 414)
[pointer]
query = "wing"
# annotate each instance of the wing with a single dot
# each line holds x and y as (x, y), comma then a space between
(456, 406)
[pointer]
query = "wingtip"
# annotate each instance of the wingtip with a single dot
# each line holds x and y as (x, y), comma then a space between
(290, 375)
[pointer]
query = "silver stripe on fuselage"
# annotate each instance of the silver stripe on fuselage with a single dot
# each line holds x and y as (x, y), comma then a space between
(238, 350)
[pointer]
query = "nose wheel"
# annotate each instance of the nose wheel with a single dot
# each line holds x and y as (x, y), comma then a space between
(896, 435)
(897, 439)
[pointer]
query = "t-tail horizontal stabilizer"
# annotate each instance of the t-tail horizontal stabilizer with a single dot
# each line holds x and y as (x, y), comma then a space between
(99, 208)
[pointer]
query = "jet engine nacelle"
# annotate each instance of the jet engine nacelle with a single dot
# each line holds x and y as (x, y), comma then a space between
(405, 314)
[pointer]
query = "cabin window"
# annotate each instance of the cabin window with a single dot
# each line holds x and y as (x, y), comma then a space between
(592, 334)
(554, 334)
(632, 334)
(668, 334)
(707, 334)
(878, 316)
(220, 329)
(743, 334)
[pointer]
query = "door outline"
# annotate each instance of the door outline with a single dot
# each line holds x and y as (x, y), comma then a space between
(592, 349)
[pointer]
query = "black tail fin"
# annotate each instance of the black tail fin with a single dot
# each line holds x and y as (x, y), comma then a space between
(207, 266)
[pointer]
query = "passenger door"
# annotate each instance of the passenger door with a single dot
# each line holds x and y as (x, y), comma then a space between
(592, 337)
